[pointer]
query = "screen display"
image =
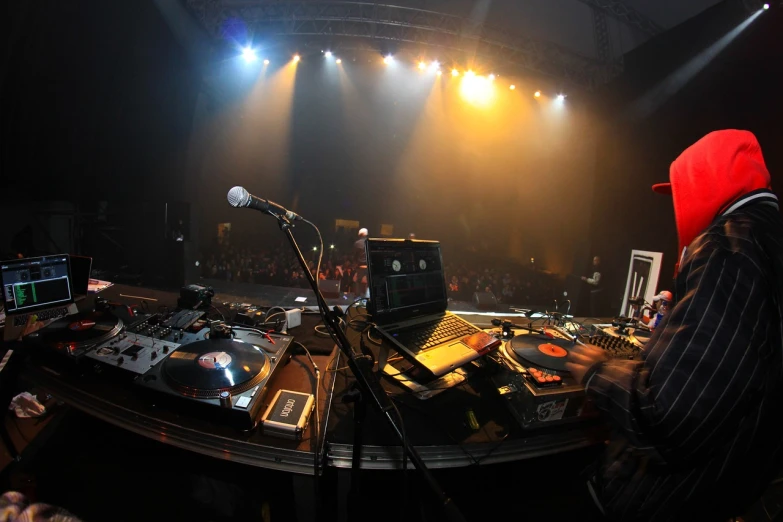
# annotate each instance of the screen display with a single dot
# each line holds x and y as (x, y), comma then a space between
(406, 276)
(35, 283)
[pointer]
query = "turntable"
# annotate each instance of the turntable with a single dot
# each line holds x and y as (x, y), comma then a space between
(76, 334)
(225, 378)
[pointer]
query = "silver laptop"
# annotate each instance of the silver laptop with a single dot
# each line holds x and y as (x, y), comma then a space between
(36, 291)
(408, 304)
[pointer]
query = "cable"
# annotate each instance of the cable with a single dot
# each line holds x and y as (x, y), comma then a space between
(266, 314)
(317, 413)
(404, 458)
(219, 312)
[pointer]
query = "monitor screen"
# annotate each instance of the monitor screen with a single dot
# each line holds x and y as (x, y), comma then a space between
(406, 276)
(36, 283)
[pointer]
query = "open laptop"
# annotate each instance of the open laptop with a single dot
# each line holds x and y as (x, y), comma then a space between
(81, 268)
(36, 291)
(408, 304)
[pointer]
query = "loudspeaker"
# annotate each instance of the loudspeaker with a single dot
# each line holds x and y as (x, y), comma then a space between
(485, 301)
(329, 287)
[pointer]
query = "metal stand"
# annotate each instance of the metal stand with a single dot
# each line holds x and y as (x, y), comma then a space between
(369, 388)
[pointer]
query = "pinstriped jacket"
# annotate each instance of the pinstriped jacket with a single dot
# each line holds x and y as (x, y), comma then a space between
(695, 421)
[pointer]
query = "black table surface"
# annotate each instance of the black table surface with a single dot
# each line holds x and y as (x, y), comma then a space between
(117, 401)
(438, 427)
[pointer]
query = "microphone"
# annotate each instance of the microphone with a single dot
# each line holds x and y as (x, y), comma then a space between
(239, 197)
(637, 301)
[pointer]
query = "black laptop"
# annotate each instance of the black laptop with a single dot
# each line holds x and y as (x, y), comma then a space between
(408, 302)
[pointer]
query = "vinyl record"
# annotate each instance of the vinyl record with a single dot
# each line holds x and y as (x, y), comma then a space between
(81, 329)
(536, 351)
(203, 369)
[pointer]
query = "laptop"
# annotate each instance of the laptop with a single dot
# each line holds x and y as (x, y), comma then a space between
(36, 292)
(81, 268)
(408, 304)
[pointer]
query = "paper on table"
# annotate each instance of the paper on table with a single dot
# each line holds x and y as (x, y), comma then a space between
(300, 299)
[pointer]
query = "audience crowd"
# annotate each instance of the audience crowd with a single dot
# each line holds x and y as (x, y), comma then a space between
(277, 265)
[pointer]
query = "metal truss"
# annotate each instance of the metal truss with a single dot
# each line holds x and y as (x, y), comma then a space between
(380, 22)
(626, 14)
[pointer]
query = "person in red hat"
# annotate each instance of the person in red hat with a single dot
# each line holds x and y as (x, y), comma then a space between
(696, 420)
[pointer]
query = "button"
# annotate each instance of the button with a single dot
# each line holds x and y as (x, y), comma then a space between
(243, 402)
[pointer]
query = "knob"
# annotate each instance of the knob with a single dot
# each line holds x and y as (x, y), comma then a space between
(154, 355)
(120, 361)
(135, 357)
(165, 349)
(225, 399)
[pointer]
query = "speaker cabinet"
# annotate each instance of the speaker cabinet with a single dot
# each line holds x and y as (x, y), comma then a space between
(329, 287)
(485, 301)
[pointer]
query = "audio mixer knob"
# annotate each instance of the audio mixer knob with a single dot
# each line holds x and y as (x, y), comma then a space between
(154, 355)
(120, 361)
(165, 349)
(225, 399)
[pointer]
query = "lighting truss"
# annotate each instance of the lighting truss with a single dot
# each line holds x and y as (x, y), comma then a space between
(626, 14)
(382, 22)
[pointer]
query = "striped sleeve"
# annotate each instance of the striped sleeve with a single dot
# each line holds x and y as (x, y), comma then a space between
(701, 368)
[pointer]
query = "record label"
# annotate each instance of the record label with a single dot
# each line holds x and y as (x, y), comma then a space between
(552, 350)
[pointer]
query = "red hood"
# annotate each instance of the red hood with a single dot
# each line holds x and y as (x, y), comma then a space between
(710, 175)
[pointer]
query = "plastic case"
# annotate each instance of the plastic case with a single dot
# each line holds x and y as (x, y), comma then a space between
(288, 414)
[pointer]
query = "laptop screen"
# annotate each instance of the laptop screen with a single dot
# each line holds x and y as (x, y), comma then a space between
(35, 283)
(406, 278)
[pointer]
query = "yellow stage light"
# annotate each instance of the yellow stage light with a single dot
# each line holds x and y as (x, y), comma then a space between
(296, 58)
(470, 74)
(339, 60)
(537, 94)
(512, 87)
(422, 65)
(492, 77)
(477, 90)
(387, 60)
(440, 72)
(454, 72)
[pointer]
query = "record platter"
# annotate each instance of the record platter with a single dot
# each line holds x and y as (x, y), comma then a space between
(224, 377)
(75, 334)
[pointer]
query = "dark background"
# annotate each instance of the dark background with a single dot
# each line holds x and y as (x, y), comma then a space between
(112, 131)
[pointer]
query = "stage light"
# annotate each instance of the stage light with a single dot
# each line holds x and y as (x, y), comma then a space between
(765, 6)
(512, 87)
(561, 97)
(537, 94)
(477, 90)
(266, 62)
(422, 65)
(388, 59)
(454, 72)
(492, 77)
(331, 246)
(470, 74)
(297, 58)
(249, 54)
(439, 72)
(315, 249)
(434, 65)
(328, 54)
(338, 60)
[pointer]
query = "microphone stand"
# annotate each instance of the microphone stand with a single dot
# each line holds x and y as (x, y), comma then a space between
(369, 388)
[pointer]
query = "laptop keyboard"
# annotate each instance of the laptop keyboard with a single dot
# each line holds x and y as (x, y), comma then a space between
(427, 335)
(43, 315)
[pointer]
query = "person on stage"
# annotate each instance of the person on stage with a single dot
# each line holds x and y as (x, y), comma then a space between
(360, 251)
(696, 420)
(595, 279)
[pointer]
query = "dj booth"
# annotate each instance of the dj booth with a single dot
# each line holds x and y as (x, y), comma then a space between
(197, 371)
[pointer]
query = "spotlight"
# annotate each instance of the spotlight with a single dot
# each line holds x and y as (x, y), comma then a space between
(434, 65)
(470, 74)
(422, 65)
(249, 54)
(491, 77)
(331, 246)
(328, 54)
(537, 94)
(512, 87)
(454, 72)
(561, 97)
(765, 6)
(477, 90)
(440, 72)
(388, 59)
(266, 62)
(338, 60)
(315, 249)
(297, 58)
